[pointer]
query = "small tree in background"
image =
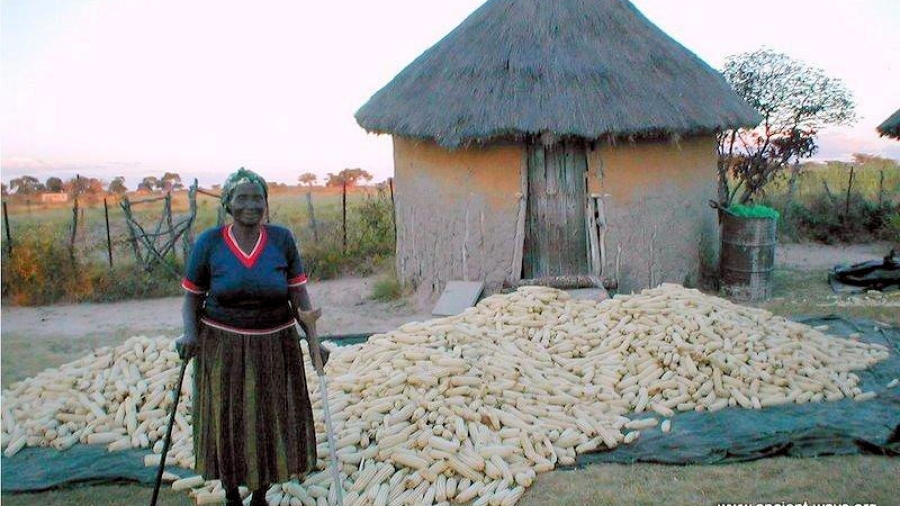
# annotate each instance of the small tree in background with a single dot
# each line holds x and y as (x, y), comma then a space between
(148, 183)
(54, 184)
(351, 176)
(78, 186)
(117, 186)
(795, 100)
(170, 181)
(26, 185)
(308, 178)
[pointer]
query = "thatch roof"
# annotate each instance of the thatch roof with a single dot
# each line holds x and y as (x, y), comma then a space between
(585, 68)
(891, 126)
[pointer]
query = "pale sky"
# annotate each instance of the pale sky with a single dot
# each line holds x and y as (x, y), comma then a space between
(134, 88)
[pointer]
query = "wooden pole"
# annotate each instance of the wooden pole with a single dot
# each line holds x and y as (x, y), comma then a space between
(168, 210)
(188, 239)
(126, 207)
(393, 208)
(108, 238)
(312, 216)
(6, 224)
(847, 199)
(344, 218)
(74, 229)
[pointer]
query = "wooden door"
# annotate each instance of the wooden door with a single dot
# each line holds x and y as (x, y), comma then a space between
(555, 237)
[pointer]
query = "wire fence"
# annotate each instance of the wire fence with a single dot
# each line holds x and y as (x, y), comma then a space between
(338, 230)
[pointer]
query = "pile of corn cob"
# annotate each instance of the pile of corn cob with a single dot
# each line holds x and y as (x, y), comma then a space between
(471, 407)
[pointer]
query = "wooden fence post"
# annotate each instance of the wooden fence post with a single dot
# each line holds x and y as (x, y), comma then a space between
(6, 224)
(188, 239)
(167, 209)
(344, 216)
(393, 208)
(108, 238)
(849, 188)
(74, 229)
(312, 216)
(126, 207)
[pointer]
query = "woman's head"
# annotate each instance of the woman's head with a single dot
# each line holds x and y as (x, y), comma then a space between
(242, 178)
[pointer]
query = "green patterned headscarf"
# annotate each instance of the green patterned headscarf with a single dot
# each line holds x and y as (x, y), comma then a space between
(240, 177)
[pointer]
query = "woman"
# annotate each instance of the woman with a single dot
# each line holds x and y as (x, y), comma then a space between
(245, 283)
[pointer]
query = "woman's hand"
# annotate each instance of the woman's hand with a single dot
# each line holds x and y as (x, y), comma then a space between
(186, 346)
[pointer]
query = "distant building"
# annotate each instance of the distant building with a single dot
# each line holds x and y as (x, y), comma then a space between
(54, 197)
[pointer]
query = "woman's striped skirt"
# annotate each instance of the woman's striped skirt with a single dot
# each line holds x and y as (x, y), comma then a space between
(252, 417)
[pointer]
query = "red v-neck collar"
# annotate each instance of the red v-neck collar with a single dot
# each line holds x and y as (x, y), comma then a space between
(231, 242)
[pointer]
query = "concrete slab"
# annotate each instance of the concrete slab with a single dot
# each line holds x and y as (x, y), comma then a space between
(457, 296)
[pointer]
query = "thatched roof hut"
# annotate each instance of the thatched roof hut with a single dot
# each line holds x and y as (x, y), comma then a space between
(543, 138)
(590, 69)
(891, 126)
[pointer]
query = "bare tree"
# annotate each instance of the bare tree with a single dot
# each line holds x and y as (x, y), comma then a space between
(795, 100)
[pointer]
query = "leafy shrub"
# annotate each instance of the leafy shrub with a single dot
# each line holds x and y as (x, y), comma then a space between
(41, 270)
(825, 219)
(387, 288)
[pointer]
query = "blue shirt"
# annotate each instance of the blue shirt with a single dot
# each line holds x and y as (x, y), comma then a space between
(245, 291)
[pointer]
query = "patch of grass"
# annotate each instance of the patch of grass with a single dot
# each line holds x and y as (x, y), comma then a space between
(806, 293)
(98, 495)
(845, 479)
(387, 289)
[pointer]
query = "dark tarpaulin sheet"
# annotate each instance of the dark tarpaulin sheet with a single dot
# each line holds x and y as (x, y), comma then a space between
(801, 430)
(35, 469)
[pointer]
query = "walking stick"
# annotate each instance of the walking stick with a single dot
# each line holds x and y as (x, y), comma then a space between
(168, 439)
(308, 319)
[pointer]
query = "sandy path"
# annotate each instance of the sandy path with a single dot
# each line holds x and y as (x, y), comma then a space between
(814, 257)
(346, 309)
(34, 338)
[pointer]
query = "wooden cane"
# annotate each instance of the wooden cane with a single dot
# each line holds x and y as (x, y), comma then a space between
(168, 438)
(308, 321)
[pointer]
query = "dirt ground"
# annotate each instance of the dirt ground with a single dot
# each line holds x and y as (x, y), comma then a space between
(37, 338)
(64, 332)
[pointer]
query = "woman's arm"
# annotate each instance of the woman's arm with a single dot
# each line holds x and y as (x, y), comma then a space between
(300, 299)
(300, 302)
(190, 314)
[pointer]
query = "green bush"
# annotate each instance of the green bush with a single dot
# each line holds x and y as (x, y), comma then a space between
(825, 219)
(370, 241)
(41, 270)
(387, 288)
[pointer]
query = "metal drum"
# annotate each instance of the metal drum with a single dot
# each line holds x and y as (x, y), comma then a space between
(747, 256)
